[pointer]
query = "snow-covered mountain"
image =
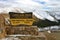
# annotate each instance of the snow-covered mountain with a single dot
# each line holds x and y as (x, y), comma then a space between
(38, 7)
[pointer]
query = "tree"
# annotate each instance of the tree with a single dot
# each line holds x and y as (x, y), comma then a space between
(45, 23)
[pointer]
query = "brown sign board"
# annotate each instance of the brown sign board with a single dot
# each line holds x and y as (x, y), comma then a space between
(14, 15)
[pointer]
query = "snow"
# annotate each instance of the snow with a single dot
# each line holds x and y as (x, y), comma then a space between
(38, 7)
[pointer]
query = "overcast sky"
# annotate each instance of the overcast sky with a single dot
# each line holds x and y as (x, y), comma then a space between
(37, 6)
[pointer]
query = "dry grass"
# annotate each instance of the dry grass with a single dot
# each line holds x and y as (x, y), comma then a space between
(53, 36)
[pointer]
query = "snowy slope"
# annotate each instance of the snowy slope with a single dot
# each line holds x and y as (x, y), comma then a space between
(38, 7)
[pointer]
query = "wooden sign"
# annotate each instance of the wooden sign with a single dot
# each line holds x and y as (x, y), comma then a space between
(21, 18)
